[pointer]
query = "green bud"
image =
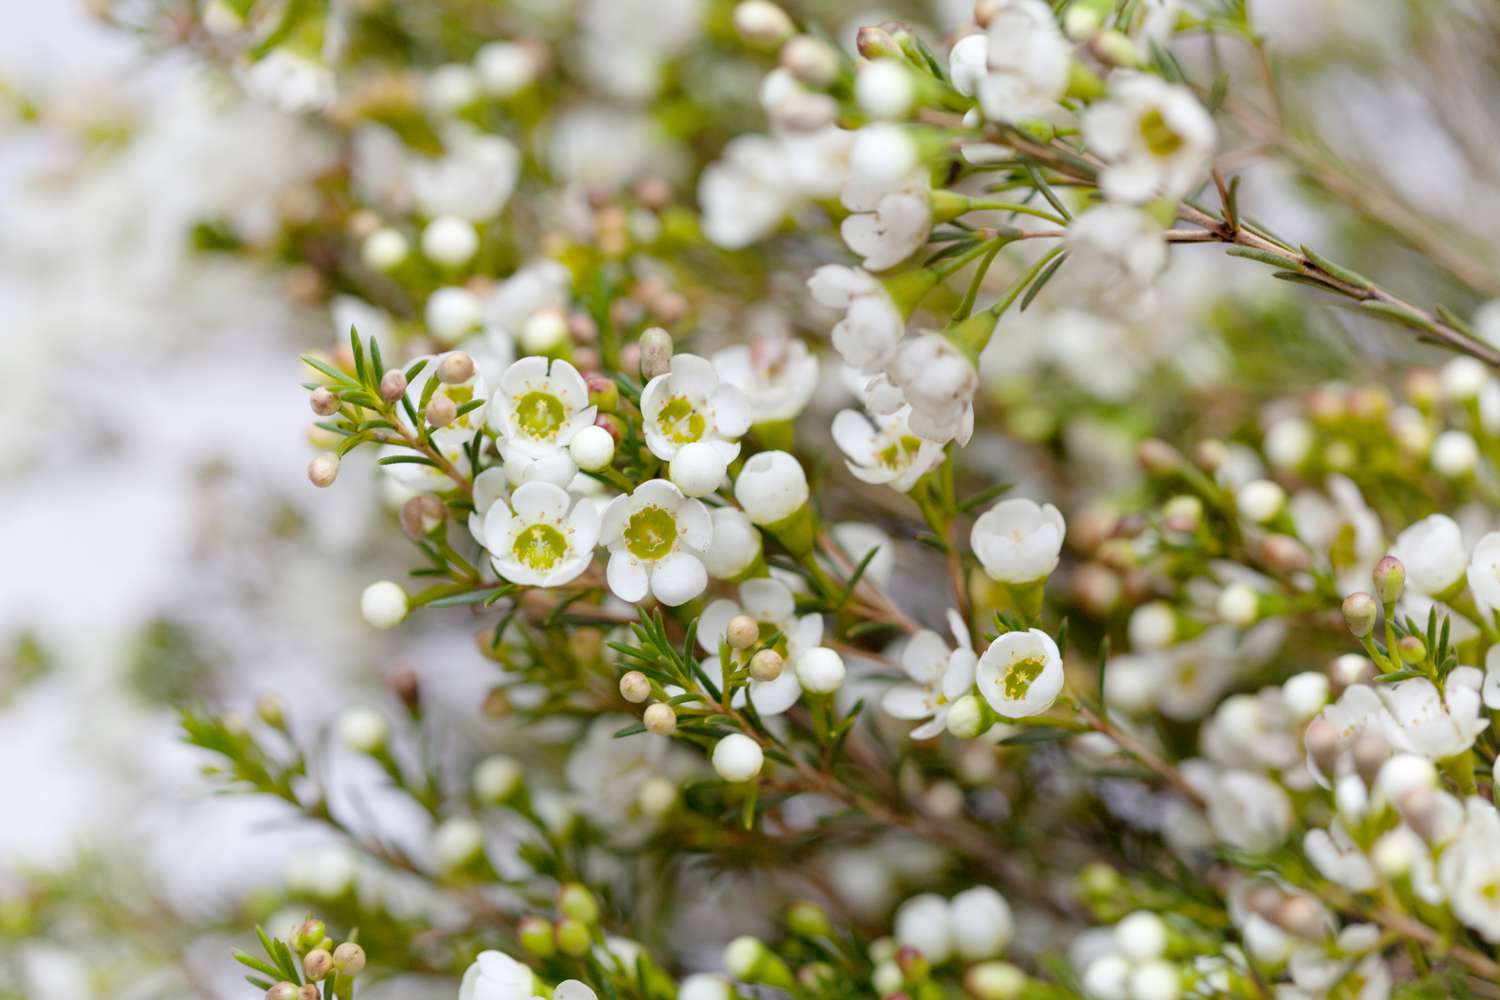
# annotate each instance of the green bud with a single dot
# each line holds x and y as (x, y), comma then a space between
(603, 392)
(808, 920)
(995, 981)
(282, 991)
(747, 959)
(1099, 881)
(1390, 579)
(308, 935)
(576, 902)
(970, 716)
(1360, 611)
(536, 934)
(573, 938)
(1412, 650)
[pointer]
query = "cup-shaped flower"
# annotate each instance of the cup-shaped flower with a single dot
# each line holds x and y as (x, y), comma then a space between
(654, 537)
(872, 325)
(884, 451)
(539, 405)
(1432, 550)
(779, 373)
(1018, 541)
(543, 537)
(1026, 63)
(771, 487)
(886, 225)
(736, 546)
(1154, 137)
(690, 404)
(1020, 674)
(496, 976)
(1484, 573)
(939, 677)
(1420, 719)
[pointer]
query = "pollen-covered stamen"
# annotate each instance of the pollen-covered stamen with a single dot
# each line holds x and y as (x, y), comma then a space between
(540, 415)
(899, 452)
(651, 533)
(1020, 675)
(540, 547)
(1160, 137)
(680, 422)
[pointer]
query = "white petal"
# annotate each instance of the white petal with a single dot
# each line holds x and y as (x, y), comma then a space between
(678, 578)
(907, 701)
(540, 501)
(627, 577)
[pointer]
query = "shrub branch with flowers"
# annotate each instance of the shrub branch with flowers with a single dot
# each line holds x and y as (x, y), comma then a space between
(803, 699)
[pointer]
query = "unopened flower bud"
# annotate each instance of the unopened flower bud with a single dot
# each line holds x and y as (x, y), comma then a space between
(496, 704)
(1182, 514)
(496, 779)
(421, 515)
(441, 410)
(1351, 668)
(1390, 579)
(1209, 454)
(536, 935)
(384, 249)
(456, 368)
(811, 60)
(1412, 650)
(574, 938)
(995, 981)
(1302, 916)
(317, 964)
(282, 991)
(384, 604)
(323, 401)
(742, 632)
(1360, 611)
(577, 902)
(1322, 739)
(966, 717)
(323, 469)
(393, 385)
(407, 687)
(660, 719)
(1157, 457)
(635, 687)
(766, 665)
(1260, 500)
(544, 331)
(808, 920)
(656, 352)
(308, 991)
(349, 959)
(603, 392)
(1419, 808)
(1264, 900)
(737, 757)
(1284, 554)
(762, 24)
(308, 935)
(1370, 752)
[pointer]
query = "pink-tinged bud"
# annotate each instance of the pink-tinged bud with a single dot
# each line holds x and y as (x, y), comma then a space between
(441, 411)
(282, 991)
(1210, 454)
(1360, 612)
(393, 385)
(876, 43)
(611, 423)
(323, 470)
(1264, 900)
(811, 60)
(407, 687)
(912, 963)
(308, 992)
(582, 328)
(1419, 807)
(1370, 752)
(421, 515)
(656, 352)
(456, 368)
(1158, 458)
(317, 964)
(1412, 650)
(652, 193)
(323, 401)
(1390, 579)
(603, 392)
(1302, 916)
(1284, 554)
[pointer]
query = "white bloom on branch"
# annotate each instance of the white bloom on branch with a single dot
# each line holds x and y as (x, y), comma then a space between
(759, 180)
(1021, 673)
(937, 382)
(1117, 252)
(1484, 574)
(884, 451)
(539, 405)
(472, 180)
(779, 373)
(496, 976)
(655, 536)
(543, 537)
(1154, 137)
(1027, 62)
(1422, 720)
(887, 224)
(939, 676)
(690, 404)
(1432, 550)
(872, 325)
(1018, 540)
(770, 604)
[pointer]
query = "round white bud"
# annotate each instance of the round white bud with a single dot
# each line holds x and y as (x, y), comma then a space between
(635, 687)
(1238, 604)
(736, 543)
(767, 665)
(455, 368)
(887, 978)
(882, 153)
(1141, 936)
(1288, 443)
(660, 719)
(1305, 693)
(496, 778)
(323, 470)
(1107, 978)
(742, 632)
(771, 487)
(743, 954)
(762, 23)
(820, 670)
(1153, 626)
(811, 60)
(1260, 500)
(982, 923)
(1155, 980)
(1401, 774)
(384, 249)
(544, 330)
(504, 68)
(697, 469)
(452, 87)
(738, 758)
(925, 922)
(1395, 853)
(384, 604)
(456, 842)
(363, 730)
(656, 796)
(592, 448)
(1464, 378)
(1454, 454)
(451, 313)
(966, 717)
(449, 241)
(884, 89)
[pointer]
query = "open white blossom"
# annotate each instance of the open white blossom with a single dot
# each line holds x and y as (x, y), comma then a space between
(938, 674)
(654, 536)
(1432, 550)
(543, 537)
(1154, 137)
(539, 405)
(472, 180)
(886, 225)
(884, 451)
(769, 602)
(690, 405)
(1021, 673)
(778, 373)
(872, 325)
(1026, 63)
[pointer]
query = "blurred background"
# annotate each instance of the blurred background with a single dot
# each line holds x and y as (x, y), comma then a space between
(160, 544)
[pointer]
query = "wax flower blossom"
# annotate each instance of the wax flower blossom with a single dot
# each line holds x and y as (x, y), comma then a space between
(1484, 574)
(1020, 674)
(769, 602)
(655, 536)
(690, 404)
(1018, 541)
(1117, 252)
(472, 180)
(1436, 724)
(539, 405)
(939, 675)
(1026, 60)
(1432, 550)
(886, 225)
(872, 326)
(543, 537)
(1154, 137)
(778, 373)
(884, 451)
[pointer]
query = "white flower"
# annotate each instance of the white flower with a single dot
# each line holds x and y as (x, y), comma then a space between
(705, 985)
(968, 62)
(456, 841)
(690, 404)
(737, 757)
(1018, 541)
(539, 405)
(383, 604)
(885, 451)
(504, 68)
(882, 154)
(496, 976)
(363, 730)
(820, 670)
(542, 538)
(451, 313)
(771, 487)
(1469, 869)
(872, 325)
(769, 602)
(940, 676)
(1334, 853)
(1154, 136)
(654, 537)
(572, 989)
(472, 180)
(980, 922)
(1420, 720)
(1027, 63)
(886, 225)
(925, 923)
(736, 545)
(759, 180)
(884, 89)
(293, 83)
(1432, 550)
(1248, 811)
(1117, 253)
(449, 241)
(1484, 573)
(934, 378)
(1021, 673)
(779, 373)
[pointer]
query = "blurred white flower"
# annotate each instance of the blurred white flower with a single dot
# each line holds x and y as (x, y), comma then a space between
(1018, 540)
(1154, 137)
(939, 675)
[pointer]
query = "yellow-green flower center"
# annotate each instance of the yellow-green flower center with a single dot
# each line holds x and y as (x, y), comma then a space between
(1019, 677)
(899, 453)
(461, 394)
(1160, 137)
(679, 422)
(540, 415)
(540, 547)
(650, 533)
